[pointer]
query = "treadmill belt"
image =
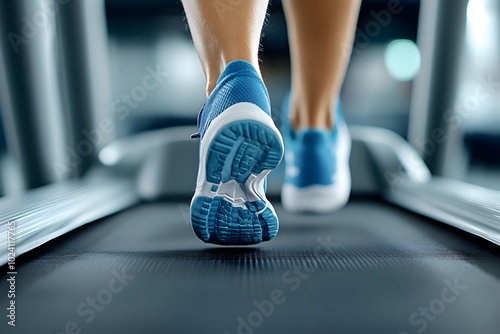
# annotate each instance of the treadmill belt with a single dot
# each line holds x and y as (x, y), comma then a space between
(370, 268)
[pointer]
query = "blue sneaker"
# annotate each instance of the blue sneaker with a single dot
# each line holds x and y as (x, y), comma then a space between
(318, 177)
(239, 146)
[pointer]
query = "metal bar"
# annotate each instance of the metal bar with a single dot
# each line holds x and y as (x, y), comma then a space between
(440, 38)
(85, 81)
(30, 106)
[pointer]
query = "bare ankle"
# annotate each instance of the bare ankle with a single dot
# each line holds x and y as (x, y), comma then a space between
(210, 87)
(317, 119)
(215, 71)
(312, 124)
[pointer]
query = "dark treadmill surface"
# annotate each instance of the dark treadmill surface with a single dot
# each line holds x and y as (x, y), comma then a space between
(370, 268)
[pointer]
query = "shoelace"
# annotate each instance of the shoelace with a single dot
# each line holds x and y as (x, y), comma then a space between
(197, 135)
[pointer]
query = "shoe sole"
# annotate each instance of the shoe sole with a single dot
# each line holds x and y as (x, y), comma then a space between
(239, 149)
(323, 198)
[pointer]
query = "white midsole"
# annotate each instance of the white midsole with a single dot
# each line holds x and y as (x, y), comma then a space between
(316, 198)
(254, 186)
(321, 198)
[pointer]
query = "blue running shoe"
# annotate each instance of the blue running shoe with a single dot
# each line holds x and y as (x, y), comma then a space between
(318, 177)
(239, 146)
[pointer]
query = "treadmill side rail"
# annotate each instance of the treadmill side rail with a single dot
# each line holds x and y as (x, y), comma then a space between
(45, 213)
(465, 206)
(405, 180)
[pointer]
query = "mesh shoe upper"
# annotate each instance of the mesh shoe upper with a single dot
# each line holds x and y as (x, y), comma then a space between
(239, 82)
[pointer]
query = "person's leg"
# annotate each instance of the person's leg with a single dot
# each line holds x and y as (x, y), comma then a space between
(319, 33)
(239, 143)
(224, 31)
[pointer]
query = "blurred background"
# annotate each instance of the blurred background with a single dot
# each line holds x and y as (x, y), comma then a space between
(147, 35)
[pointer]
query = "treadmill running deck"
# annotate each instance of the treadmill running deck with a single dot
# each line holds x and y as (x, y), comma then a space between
(370, 268)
